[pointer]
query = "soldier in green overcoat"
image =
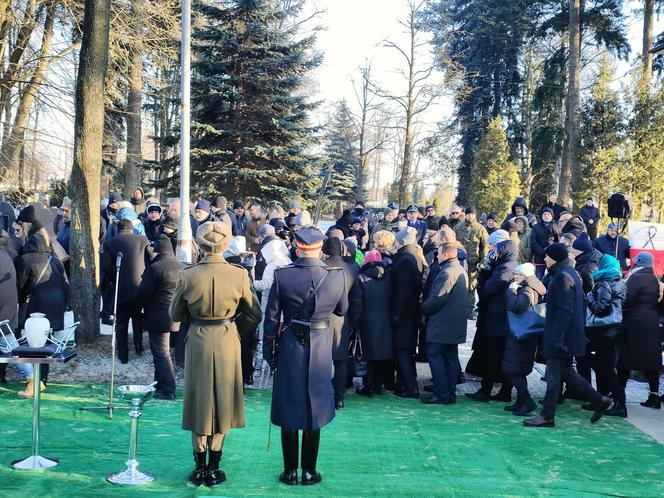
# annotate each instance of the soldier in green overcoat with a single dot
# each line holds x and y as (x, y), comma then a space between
(213, 296)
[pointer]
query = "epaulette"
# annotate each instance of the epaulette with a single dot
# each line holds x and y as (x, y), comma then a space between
(284, 267)
(236, 265)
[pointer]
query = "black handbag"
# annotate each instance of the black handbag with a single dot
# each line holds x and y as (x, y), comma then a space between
(612, 320)
(528, 324)
(358, 364)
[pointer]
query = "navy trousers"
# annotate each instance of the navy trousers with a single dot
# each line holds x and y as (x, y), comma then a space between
(445, 368)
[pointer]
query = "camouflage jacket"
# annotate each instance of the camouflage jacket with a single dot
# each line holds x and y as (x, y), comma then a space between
(474, 238)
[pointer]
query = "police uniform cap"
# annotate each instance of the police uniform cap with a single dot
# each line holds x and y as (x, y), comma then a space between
(309, 239)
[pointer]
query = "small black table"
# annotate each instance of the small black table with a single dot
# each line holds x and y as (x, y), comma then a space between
(35, 461)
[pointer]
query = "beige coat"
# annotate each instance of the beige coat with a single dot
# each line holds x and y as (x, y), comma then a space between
(213, 394)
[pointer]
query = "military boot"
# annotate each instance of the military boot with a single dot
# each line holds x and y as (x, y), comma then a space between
(289, 447)
(310, 444)
(199, 474)
(215, 475)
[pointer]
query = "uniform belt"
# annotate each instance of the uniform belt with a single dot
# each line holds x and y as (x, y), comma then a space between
(313, 325)
(203, 322)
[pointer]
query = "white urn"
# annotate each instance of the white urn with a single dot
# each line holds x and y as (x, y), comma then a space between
(36, 330)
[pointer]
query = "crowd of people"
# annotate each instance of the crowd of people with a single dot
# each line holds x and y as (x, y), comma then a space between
(542, 287)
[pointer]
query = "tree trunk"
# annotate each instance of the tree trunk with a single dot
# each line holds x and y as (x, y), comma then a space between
(86, 172)
(12, 145)
(134, 132)
(648, 29)
(570, 162)
(8, 81)
(407, 162)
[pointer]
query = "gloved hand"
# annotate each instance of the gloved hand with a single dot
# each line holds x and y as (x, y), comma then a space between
(514, 286)
(269, 354)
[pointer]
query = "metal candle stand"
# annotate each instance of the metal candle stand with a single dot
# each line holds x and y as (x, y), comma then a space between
(136, 396)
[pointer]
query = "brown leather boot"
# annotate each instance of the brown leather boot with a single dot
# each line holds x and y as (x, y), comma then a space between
(29, 390)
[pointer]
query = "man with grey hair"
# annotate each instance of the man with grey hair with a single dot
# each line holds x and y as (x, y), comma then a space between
(302, 220)
(455, 216)
(407, 271)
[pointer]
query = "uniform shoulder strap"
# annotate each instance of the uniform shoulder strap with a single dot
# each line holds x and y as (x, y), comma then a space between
(312, 293)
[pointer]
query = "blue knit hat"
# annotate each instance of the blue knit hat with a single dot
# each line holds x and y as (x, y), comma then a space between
(583, 243)
(203, 205)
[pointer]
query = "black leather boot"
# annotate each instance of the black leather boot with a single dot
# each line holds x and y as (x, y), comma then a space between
(527, 406)
(199, 474)
(215, 476)
(653, 401)
(504, 395)
(618, 410)
(310, 444)
(289, 448)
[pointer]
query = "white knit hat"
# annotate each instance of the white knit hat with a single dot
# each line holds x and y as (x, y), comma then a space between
(498, 236)
(526, 269)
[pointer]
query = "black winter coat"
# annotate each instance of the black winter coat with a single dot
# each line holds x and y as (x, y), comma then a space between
(48, 295)
(564, 331)
(588, 213)
(104, 220)
(556, 208)
(520, 202)
(446, 305)
(541, 236)
(575, 226)
(341, 324)
(345, 225)
(607, 245)
(152, 229)
(641, 347)
(602, 297)
(8, 290)
(492, 304)
(136, 252)
(407, 277)
(519, 356)
(432, 222)
(586, 264)
(156, 291)
(370, 305)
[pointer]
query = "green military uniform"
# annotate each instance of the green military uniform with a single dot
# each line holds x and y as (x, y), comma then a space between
(209, 296)
(474, 238)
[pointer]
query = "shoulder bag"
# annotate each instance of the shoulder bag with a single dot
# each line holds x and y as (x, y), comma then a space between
(528, 324)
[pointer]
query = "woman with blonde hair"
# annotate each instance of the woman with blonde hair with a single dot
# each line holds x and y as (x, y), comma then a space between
(385, 242)
(217, 298)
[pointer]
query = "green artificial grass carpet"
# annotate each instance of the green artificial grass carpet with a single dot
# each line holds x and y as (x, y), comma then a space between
(385, 446)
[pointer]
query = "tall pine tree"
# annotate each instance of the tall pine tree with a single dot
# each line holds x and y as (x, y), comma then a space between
(341, 155)
(251, 130)
(495, 181)
(481, 40)
(602, 164)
